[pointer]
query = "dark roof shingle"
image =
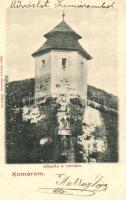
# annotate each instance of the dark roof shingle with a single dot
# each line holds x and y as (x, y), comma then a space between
(62, 27)
(62, 37)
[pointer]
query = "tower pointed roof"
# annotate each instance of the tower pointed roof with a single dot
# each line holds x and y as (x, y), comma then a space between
(64, 28)
(62, 37)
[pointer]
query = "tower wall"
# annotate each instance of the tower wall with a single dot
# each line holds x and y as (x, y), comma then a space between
(69, 80)
(82, 83)
(42, 76)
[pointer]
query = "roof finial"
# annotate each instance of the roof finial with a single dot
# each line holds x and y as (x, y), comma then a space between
(63, 15)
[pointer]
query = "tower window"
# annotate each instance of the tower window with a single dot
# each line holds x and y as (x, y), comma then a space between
(43, 63)
(40, 86)
(63, 63)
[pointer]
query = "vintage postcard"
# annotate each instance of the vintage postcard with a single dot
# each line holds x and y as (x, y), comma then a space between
(62, 100)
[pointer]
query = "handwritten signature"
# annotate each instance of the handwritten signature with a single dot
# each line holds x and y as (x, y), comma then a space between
(66, 185)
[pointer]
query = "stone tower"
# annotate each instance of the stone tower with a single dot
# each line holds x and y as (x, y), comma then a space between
(61, 65)
(61, 73)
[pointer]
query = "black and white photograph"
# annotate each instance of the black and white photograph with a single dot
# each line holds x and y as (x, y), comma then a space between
(61, 86)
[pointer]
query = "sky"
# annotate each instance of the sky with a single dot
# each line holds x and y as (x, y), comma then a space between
(98, 28)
